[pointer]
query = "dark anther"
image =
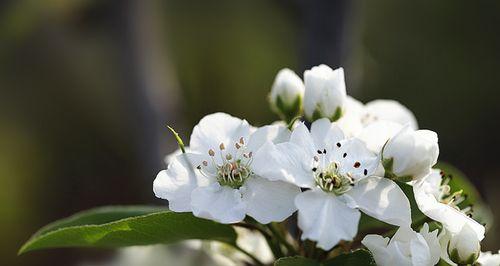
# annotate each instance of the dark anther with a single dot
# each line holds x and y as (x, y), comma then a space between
(357, 164)
(324, 151)
(351, 184)
(321, 175)
(314, 169)
(319, 152)
(365, 172)
(345, 154)
(198, 167)
(338, 144)
(470, 215)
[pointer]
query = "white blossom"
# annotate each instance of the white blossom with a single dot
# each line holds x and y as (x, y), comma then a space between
(325, 93)
(405, 248)
(216, 179)
(286, 94)
(436, 200)
(338, 173)
(410, 154)
(357, 116)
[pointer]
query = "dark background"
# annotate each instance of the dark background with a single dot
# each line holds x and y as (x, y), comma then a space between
(87, 87)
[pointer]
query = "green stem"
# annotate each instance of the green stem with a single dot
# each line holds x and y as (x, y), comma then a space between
(276, 232)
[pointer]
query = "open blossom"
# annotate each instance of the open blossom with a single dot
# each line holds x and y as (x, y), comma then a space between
(325, 93)
(338, 173)
(216, 179)
(436, 200)
(357, 116)
(405, 248)
(410, 154)
(286, 94)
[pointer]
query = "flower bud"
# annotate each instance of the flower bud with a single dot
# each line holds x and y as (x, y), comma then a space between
(464, 247)
(410, 154)
(286, 95)
(325, 93)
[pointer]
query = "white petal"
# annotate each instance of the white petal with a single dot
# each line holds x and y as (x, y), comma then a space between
(177, 182)
(450, 217)
(376, 134)
(350, 122)
(269, 201)
(324, 90)
(301, 137)
(286, 162)
(413, 152)
(378, 247)
(287, 85)
(354, 158)
(420, 252)
(432, 241)
(273, 133)
(325, 134)
(325, 218)
(381, 198)
(219, 203)
(215, 129)
(392, 111)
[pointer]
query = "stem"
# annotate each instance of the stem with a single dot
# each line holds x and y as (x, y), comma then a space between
(276, 232)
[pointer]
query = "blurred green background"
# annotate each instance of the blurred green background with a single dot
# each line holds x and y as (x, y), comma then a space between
(87, 87)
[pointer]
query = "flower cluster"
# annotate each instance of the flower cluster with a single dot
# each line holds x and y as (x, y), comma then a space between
(330, 160)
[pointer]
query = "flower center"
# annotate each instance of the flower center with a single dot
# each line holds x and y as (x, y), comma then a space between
(330, 180)
(233, 169)
(452, 198)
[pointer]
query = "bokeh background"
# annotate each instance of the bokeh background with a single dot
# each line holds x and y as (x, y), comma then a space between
(87, 87)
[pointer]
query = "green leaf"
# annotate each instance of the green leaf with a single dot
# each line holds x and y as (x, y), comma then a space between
(110, 227)
(360, 257)
(296, 261)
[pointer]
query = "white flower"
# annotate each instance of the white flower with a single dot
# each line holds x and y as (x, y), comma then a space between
(410, 154)
(338, 172)
(286, 94)
(406, 247)
(461, 248)
(436, 200)
(489, 259)
(464, 247)
(389, 110)
(357, 116)
(216, 179)
(325, 93)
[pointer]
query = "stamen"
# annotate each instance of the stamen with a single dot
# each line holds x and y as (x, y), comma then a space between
(237, 145)
(205, 163)
(222, 147)
(316, 158)
(211, 152)
(242, 141)
(229, 157)
(357, 164)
